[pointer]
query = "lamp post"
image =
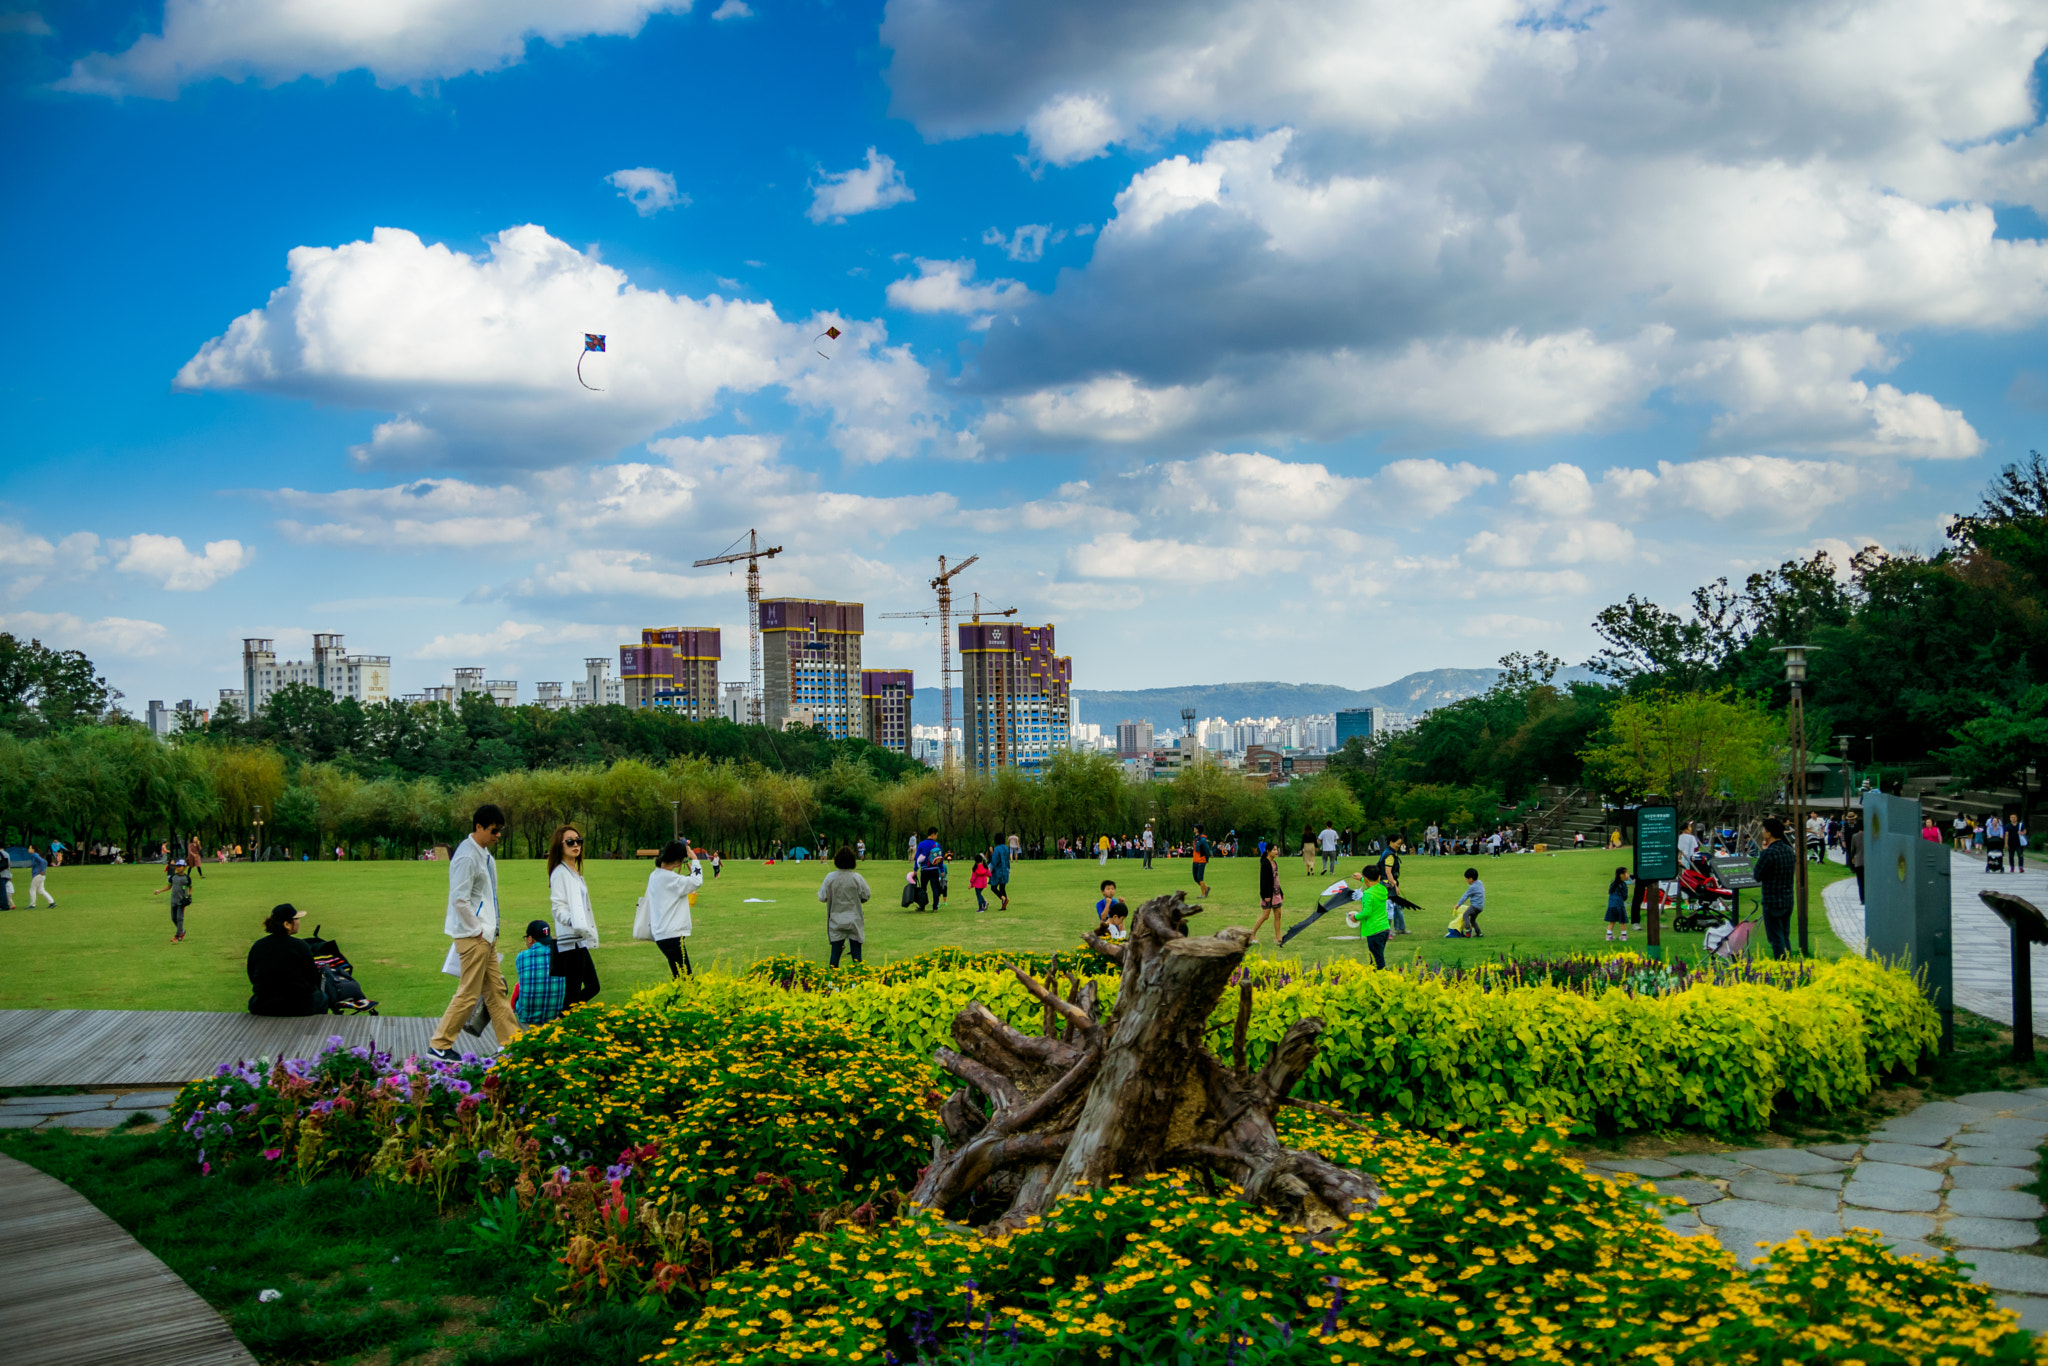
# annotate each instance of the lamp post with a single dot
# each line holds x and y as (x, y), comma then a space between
(256, 844)
(1795, 675)
(675, 811)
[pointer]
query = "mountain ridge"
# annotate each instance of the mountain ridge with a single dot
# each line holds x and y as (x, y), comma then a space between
(1411, 694)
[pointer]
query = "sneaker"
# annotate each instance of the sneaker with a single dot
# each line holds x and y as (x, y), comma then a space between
(444, 1055)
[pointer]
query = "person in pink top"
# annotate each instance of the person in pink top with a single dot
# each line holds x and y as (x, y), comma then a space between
(978, 880)
(1931, 831)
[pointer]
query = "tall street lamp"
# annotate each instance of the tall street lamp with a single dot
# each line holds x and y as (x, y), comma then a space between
(256, 844)
(1795, 675)
(675, 811)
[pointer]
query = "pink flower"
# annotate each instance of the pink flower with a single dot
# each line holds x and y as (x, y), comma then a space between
(273, 1153)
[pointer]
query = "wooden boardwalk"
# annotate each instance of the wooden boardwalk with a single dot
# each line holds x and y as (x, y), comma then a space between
(169, 1047)
(1983, 945)
(81, 1292)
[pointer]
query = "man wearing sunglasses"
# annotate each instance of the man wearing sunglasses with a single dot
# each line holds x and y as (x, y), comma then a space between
(472, 923)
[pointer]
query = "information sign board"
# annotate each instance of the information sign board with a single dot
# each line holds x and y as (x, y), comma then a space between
(1656, 843)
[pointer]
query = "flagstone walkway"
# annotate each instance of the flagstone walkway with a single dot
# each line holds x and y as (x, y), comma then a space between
(1948, 1173)
(1982, 944)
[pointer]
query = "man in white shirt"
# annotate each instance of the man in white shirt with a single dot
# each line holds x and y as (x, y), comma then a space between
(1146, 841)
(472, 923)
(1688, 846)
(1327, 840)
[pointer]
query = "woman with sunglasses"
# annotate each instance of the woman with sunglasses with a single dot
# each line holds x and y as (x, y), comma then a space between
(575, 923)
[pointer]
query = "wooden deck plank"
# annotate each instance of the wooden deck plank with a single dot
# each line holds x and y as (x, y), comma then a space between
(81, 1292)
(169, 1047)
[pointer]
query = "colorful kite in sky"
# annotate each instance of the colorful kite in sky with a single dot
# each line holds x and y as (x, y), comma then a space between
(592, 341)
(830, 333)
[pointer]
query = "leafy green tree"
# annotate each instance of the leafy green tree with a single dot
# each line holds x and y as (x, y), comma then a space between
(1697, 750)
(42, 689)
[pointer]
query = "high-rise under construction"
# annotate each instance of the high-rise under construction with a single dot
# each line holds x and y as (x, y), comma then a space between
(1014, 690)
(810, 665)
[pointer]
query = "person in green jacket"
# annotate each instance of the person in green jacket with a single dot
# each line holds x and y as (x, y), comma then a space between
(1372, 914)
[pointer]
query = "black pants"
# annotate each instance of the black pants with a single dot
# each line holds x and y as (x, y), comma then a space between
(178, 918)
(580, 974)
(839, 944)
(1148, 857)
(1378, 944)
(678, 957)
(1859, 884)
(1778, 928)
(928, 883)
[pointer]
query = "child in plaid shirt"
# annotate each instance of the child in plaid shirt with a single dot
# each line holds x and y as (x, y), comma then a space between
(541, 993)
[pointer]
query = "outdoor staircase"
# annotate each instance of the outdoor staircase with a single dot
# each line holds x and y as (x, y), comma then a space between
(1568, 811)
(1945, 806)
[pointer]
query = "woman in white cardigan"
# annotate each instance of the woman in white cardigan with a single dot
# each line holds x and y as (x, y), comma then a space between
(669, 890)
(575, 922)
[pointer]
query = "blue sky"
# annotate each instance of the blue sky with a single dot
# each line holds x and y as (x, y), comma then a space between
(1243, 339)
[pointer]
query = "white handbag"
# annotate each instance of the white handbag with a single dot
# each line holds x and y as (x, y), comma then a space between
(643, 920)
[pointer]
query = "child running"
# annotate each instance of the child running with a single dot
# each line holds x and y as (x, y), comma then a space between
(1617, 905)
(978, 880)
(1372, 915)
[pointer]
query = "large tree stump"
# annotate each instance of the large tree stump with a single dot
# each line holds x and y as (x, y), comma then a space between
(1140, 1093)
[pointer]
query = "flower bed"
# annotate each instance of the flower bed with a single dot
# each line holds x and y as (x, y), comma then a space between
(1498, 1248)
(763, 1139)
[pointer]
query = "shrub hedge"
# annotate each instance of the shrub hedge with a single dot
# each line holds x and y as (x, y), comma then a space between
(1441, 1052)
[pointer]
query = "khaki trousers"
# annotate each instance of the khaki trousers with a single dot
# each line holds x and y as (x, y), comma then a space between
(480, 979)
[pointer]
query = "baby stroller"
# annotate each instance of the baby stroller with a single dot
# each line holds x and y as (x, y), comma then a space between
(1700, 898)
(1994, 854)
(340, 975)
(1730, 940)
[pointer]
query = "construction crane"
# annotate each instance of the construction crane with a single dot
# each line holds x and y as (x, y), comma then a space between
(944, 583)
(753, 555)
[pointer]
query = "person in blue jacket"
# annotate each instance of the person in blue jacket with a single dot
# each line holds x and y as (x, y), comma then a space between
(999, 871)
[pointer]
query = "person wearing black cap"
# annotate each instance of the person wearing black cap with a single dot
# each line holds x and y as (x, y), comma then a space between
(541, 995)
(286, 978)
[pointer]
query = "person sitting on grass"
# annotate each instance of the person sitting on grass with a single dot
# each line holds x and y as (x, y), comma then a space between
(1111, 906)
(539, 995)
(287, 979)
(1471, 902)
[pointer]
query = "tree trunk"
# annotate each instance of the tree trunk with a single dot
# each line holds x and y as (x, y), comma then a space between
(1096, 1100)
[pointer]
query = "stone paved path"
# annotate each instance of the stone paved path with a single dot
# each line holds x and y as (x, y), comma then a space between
(1983, 952)
(99, 1110)
(1950, 1172)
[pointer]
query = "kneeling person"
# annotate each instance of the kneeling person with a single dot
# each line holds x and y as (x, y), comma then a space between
(540, 995)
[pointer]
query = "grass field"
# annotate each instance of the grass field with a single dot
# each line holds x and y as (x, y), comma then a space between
(107, 944)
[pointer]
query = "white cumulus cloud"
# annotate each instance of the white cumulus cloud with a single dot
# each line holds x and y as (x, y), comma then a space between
(945, 287)
(475, 356)
(165, 559)
(877, 184)
(102, 636)
(650, 191)
(400, 42)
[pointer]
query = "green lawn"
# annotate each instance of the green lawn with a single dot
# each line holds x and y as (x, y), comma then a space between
(108, 943)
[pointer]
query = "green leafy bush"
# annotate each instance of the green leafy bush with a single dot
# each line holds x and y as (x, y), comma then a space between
(1443, 1051)
(806, 974)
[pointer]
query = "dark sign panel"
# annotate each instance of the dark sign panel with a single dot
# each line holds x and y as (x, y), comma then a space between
(1656, 843)
(1736, 874)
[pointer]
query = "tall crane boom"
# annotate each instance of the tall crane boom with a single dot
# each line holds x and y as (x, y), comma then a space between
(753, 555)
(944, 583)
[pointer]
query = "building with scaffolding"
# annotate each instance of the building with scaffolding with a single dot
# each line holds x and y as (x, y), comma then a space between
(674, 668)
(1015, 693)
(885, 696)
(810, 665)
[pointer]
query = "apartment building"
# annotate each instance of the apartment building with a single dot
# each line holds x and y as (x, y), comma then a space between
(1016, 695)
(810, 665)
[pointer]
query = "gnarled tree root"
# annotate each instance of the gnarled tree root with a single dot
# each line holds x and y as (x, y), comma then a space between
(1091, 1100)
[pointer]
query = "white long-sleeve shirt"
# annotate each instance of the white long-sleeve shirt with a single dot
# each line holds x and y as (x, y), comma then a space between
(472, 893)
(668, 900)
(569, 897)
